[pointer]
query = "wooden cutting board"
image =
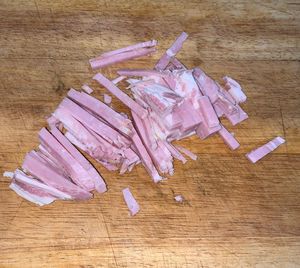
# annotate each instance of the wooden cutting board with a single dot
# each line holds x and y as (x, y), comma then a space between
(236, 214)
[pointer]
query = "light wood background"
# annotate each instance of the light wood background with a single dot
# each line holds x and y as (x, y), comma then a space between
(236, 214)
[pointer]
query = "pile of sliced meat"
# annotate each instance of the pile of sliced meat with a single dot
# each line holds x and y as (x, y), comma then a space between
(169, 102)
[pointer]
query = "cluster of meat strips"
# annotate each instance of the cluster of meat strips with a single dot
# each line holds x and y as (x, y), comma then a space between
(170, 102)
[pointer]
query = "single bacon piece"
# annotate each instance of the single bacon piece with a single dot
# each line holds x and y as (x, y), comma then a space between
(130, 103)
(267, 148)
(118, 79)
(125, 53)
(130, 201)
(228, 138)
(234, 89)
(116, 58)
(151, 43)
(87, 89)
(171, 52)
(186, 152)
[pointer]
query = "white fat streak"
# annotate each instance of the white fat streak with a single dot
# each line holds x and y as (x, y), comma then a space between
(75, 141)
(8, 174)
(157, 92)
(186, 86)
(20, 176)
(170, 53)
(273, 144)
(30, 197)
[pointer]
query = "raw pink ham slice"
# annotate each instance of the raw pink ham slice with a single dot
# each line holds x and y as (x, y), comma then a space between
(130, 201)
(262, 151)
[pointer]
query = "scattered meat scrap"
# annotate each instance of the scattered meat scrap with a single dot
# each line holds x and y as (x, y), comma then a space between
(130, 201)
(87, 89)
(167, 103)
(179, 198)
(107, 99)
(262, 151)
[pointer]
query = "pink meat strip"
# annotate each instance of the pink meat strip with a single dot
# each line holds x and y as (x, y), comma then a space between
(87, 89)
(178, 64)
(262, 151)
(120, 95)
(208, 112)
(130, 201)
(161, 157)
(116, 58)
(78, 174)
(31, 194)
(147, 44)
(50, 177)
(48, 157)
(234, 89)
(109, 134)
(91, 144)
(98, 180)
(21, 177)
(171, 52)
(110, 116)
(145, 158)
(81, 146)
(118, 79)
(228, 138)
(175, 153)
(107, 99)
(186, 152)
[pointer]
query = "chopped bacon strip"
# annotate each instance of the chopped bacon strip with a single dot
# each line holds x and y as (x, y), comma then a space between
(186, 152)
(234, 89)
(130, 201)
(20, 176)
(115, 58)
(50, 177)
(99, 183)
(120, 95)
(228, 138)
(31, 194)
(178, 64)
(78, 174)
(171, 52)
(175, 153)
(109, 134)
(118, 79)
(110, 116)
(87, 89)
(151, 43)
(145, 158)
(262, 151)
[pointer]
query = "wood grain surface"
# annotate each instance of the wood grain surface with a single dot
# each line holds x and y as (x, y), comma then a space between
(236, 214)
